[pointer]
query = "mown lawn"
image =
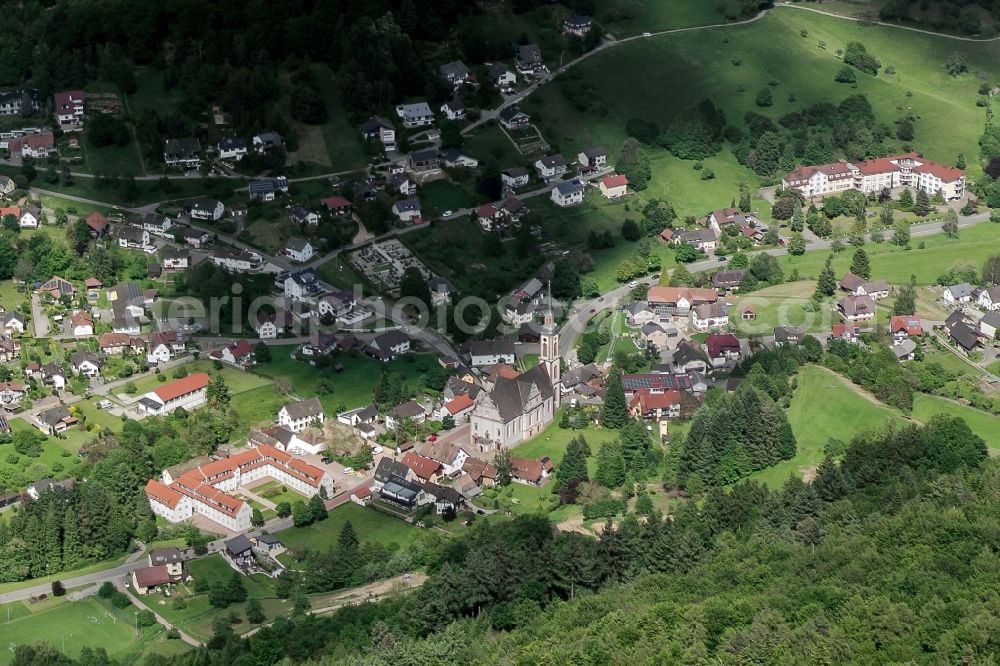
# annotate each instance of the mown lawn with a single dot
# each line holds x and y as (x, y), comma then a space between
(70, 626)
(58, 459)
(780, 305)
(488, 143)
(343, 141)
(623, 18)
(824, 406)
(369, 524)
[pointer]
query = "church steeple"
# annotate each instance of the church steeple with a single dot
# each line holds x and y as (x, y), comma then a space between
(549, 356)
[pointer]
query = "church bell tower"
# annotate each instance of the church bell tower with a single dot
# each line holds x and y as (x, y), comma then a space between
(549, 357)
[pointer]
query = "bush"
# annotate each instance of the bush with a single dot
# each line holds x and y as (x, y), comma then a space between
(604, 508)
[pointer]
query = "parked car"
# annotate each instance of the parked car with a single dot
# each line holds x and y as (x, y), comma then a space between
(348, 470)
(104, 404)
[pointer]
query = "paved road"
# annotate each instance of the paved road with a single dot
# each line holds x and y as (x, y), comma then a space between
(789, 5)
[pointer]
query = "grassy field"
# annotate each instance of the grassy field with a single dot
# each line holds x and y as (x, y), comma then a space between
(985, 425)
(370, 525)
(896, 264)
(70, 626)
(623, 18)
(488, 143)
(441, 195)
(695, 66)
(780, 305)
(825, 405)
(237, 380)
(58, 459)
(111, 160)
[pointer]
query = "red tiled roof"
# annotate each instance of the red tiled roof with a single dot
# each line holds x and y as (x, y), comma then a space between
(719, 343)
(82, 318)
(459, 404)
(13, 210)
(487, 210)
(528, 469)
(908, 323)
(647, 401)
(614, 181)
(162, 494)
(153, 576)
(423, 467)
(336, 202)
(183, 386)
(96, 221)
(92, 283)
(674, 294)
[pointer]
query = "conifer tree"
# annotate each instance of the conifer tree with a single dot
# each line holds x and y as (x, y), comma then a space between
(860, 264)
(611, 471)
(922, 205)
(574, 463)
(615, 412)
(830, 482)
(826, 285)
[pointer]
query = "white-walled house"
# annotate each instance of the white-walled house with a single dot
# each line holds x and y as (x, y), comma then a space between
(188, 393)
(299, 249)
(300, 415)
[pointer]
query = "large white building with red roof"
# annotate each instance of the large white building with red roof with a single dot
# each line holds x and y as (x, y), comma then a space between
(189, 392)
(208, 488)
(907, 170)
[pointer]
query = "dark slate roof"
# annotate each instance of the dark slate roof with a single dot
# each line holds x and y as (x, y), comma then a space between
(510, 395)
(239, 544)
(388, 469)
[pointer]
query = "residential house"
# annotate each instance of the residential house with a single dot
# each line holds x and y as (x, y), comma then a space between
(957, 294)
(656, 336)
(415, 115)
(424, 161)
(857, 308)
(97, 224)
(211, 210)
(69, 109)
(164, 345)
(299, 249)
(639, 314)
(666, 301)
(232, 149)
(718, 219)
(114, 344)
(519, 312)
(320, 344)
(388, 345)
(689, 357)
(400, 183)
(20, 101)
(655, 405)
(481, 353)
(13, 323)
(441, 290)
(86, 364)
(454, 158)
(857, 286)
(453, 109)
(157, 224)
(265, 142)
(176, 260)
(239, 354)
(905, 350)
(614, 187)
(483, 473)
(337, 205)
(702, 240)
(846, 333)
(990, 324)
(787, 335)
(963, 335)
(425, 469)
(456, 73)
(7, 185)
(501, 75)
(446, 500)
(57, 287)
(407, 210)
(55, 420)
(411, 409)
(512, 117)
(266, 189)
(302, 414)
(727, 280)
(550, 167)
(237, 260)
(184, 152)
(388, 470)
(569, 193)
(593, 159)
(133, 237)
(723, 350)
(336, 303)
(514, 177)
(11, 393)
(902, 327)
(528, 60)
(577, 25)
(989, 299)
(10, 349)
(82, 323)
(530, 472)
(379, 129)
(709, 315)
(302, 284)
(196, 238)
(35, 146)
(35, 490)
(30, 217)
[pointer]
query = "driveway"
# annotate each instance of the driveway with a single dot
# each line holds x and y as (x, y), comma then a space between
(40, 320)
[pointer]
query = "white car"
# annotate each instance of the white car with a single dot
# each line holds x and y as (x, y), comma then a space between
(647, 34)
(633, 284)
(448, 213)
(348, 470)
(104, 404)
(377, 450)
